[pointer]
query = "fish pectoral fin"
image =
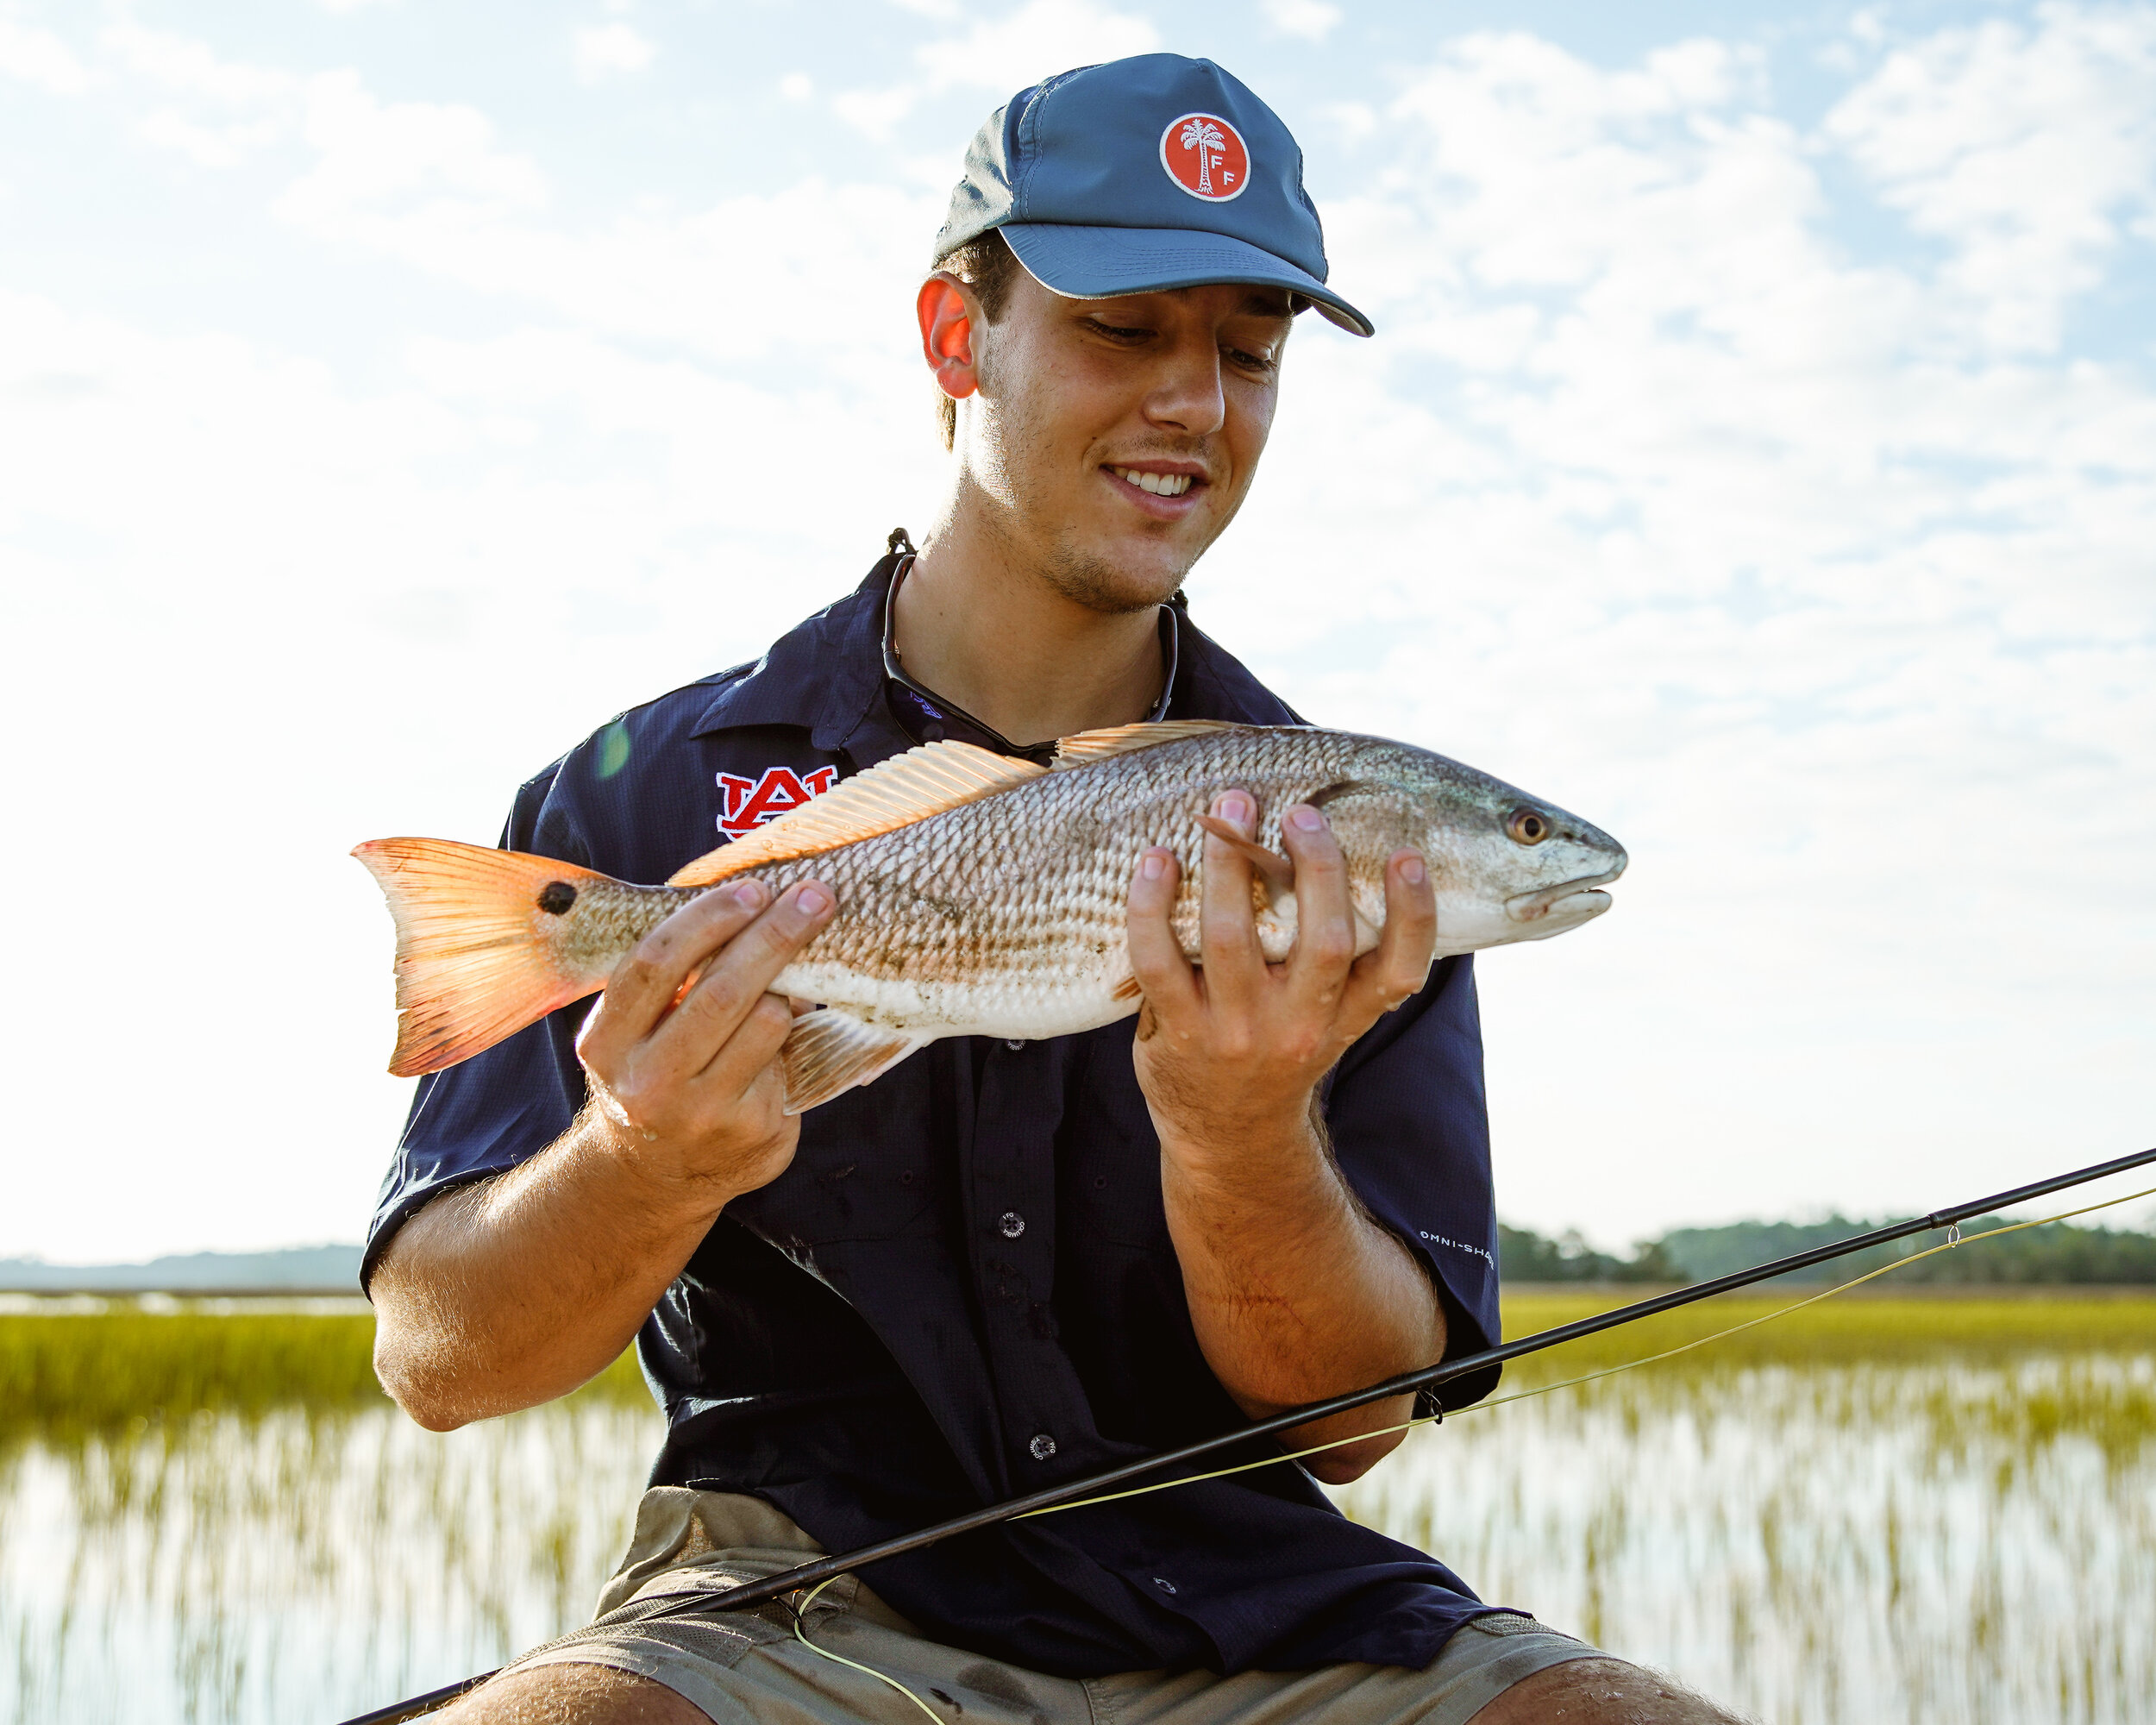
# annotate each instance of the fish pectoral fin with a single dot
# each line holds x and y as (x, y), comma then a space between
(1274, 869)
(830, 1050)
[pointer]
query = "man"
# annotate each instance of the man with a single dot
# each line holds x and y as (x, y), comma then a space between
(1001, 1264)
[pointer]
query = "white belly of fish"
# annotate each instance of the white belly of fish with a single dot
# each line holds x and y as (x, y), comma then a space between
(1030, 1008)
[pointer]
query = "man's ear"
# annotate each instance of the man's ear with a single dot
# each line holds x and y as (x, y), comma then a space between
(946, 308)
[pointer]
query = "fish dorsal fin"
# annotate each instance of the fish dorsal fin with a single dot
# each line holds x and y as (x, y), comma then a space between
(1089, 746)
(892, 794)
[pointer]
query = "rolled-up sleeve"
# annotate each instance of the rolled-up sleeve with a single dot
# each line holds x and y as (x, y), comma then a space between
(498, 1108)
(1410, 1128)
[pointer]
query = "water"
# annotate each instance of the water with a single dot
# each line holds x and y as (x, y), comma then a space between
(299, 1568)
(1964, 1536)
(1823, 1545)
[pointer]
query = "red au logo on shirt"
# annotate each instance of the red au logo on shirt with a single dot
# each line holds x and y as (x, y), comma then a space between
(1206, 156)
(751, 802)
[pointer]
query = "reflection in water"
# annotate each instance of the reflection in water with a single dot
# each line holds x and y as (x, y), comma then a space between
(1834, 1542)
(298, 1568)
(1856, 1544)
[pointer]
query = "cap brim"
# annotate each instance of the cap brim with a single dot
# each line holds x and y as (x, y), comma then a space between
(1100, 263)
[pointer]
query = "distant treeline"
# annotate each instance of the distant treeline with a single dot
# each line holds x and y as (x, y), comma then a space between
(2056, 1252)
(329, 1269)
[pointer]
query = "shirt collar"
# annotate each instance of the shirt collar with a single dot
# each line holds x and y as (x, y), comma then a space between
(928, 717)
(824, 677)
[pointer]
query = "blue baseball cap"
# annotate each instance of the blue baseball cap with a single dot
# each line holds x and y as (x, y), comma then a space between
(1143, 174)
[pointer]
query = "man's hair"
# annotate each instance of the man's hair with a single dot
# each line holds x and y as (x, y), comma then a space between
(990, 268)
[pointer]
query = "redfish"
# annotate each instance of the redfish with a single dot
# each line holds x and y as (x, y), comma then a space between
(981, 896)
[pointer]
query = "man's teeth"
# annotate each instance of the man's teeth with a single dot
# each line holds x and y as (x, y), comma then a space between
(1161, 485)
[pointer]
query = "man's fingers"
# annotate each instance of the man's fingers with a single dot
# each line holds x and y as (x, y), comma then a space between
(1325, 915)
(1227, 936)
(1399, 965)
(736, 979)
(644, 985)
(1156, 958)
(741, 1059)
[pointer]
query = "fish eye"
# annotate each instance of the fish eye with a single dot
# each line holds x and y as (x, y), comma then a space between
(1526, 827)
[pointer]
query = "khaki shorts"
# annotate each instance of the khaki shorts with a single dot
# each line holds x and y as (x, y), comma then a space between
(747, 1668)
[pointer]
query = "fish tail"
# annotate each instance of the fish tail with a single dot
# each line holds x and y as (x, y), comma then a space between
(476, 949)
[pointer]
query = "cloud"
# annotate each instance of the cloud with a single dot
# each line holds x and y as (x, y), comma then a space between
(39, 57)
(402, 176)
(184, 64)
(1656, 495)
(1042, 38)
(1004, 55)
(316, 597)
(1785, 531)
(2025, 151)
(1311, 20)
(607, 50)
(214, 111)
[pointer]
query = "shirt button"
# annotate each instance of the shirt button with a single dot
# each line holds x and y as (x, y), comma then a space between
(1011, 1224)
(1043, 1446)
(1163, 1583)
(1014, 1043)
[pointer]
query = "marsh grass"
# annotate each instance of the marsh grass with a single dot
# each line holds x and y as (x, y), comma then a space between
(1869, 1511)
(1840, 1331)
(76, 1376)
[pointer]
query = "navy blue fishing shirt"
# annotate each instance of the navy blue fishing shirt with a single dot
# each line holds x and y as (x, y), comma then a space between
(962, 1288)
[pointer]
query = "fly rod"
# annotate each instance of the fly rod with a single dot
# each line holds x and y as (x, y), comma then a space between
(1429, 1378)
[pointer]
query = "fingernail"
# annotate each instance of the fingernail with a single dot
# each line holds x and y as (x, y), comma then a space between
(1304, 818)
(748, 894)
(813, 900)
(1411, 870)
(1153, 865)
(1232, 806)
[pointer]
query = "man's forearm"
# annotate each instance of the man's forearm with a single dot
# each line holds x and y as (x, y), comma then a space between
(513, 1291)
(1294, 1293)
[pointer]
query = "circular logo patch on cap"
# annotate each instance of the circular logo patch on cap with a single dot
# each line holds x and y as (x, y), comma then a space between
(1206, 156)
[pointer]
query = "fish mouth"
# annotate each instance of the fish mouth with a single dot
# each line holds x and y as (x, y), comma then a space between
(1575, 899)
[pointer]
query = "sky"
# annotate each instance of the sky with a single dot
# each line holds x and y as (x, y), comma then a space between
(1756, 457)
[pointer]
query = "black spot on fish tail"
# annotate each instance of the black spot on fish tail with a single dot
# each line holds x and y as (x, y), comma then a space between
(555, 897)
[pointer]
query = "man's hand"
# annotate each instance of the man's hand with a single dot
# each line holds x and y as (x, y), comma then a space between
(687, 1082)
(1295, 1293)
(1241, 1044)
(516, 1289)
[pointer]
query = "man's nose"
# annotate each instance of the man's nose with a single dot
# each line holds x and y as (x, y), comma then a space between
(1187, 395)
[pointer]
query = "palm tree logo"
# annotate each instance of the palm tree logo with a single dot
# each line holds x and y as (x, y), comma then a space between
(1200, 134)
(1214, 148)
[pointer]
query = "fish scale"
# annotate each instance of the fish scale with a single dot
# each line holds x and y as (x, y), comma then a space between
(979, 895)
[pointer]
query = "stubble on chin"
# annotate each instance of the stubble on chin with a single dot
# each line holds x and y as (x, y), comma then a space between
(1086, 579)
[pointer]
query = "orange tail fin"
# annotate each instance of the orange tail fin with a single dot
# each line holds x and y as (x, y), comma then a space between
(475, 951)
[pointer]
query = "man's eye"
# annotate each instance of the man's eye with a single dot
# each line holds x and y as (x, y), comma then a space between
(1251, 362)
(1114, 332)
